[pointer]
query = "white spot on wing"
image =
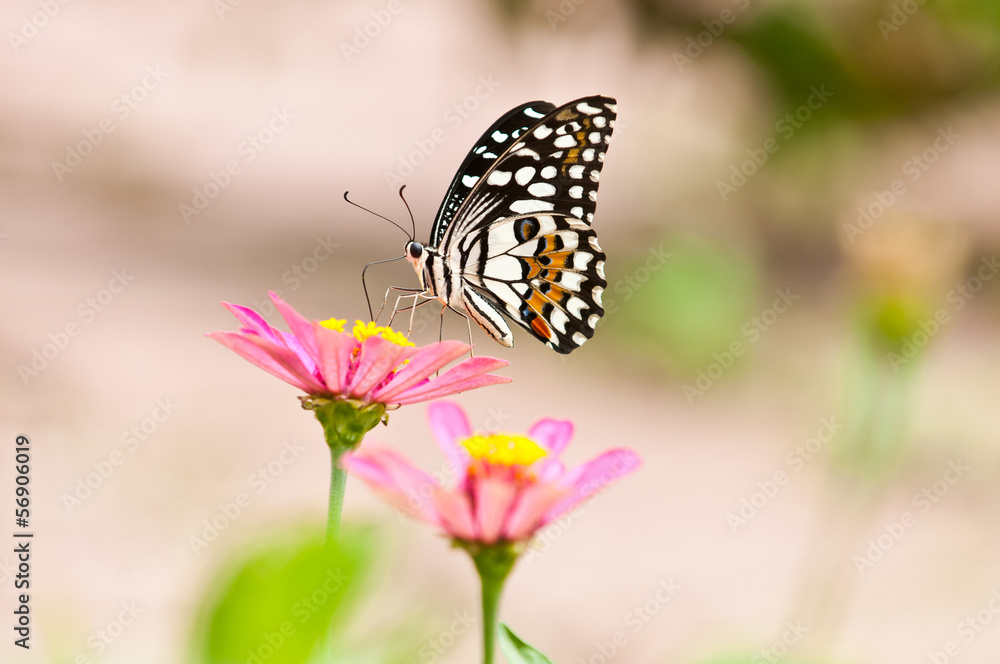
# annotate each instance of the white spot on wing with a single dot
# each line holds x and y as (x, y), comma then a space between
(576, 306)
(541, 189)
(532, 113)
(543, 131)
(584, 107)
(524, 175)
(530, 205)
(576, 171)
(599, 121)
(559, 320)
(565, 142)
(588, 154)
(577, 211)
(579, 338)
(592, 321)
(498, 178)
(504, 292)
(549, 172)
(499, 136)
(580, 260)
(576, 191)
(571, 281)
(470, 180)
(503, 267)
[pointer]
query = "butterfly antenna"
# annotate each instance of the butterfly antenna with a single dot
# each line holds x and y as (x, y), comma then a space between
(413, 224)
(364, 284)
(380, 216)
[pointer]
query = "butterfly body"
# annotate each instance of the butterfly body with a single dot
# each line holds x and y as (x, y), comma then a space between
(513, 233)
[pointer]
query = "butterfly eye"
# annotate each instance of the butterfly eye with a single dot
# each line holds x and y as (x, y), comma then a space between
(415, 249)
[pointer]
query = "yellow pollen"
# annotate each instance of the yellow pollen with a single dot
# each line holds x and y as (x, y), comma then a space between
(335, 324)
(504, 449)
(364, 330)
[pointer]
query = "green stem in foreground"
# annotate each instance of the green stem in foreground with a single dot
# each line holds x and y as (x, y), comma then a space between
(338, 482)
(345, 423)
(493, 564)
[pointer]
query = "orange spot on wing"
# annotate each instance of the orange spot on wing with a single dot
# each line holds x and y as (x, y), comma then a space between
(541, 328)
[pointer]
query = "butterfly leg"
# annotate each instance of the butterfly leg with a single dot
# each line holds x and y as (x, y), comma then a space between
(385, 298)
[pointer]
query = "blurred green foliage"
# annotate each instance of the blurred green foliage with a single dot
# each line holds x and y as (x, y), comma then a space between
(290, 599)
(691, 306)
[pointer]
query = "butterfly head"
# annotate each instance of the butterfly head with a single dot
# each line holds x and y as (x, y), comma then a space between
(416, 254)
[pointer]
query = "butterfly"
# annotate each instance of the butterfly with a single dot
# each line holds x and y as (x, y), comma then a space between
(513, 234)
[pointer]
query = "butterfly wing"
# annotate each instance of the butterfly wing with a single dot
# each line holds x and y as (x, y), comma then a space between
(545, 270)
(522, 236)
(493, 143)
(554, 167)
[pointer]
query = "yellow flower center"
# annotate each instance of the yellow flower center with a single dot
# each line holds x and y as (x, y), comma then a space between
(364, 330)
(504, 449)
(335, 324)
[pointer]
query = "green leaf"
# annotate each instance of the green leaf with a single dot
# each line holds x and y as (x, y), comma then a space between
(517, 651)
(278, 601)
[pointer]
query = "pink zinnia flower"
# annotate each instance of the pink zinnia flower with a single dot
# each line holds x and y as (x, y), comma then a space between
(370, 364)
(509, 485)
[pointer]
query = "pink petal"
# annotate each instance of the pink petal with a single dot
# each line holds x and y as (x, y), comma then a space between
(422, 364)
(299, 326)
(551, 434)
(253, 321)
(334, 354)
(450, 426)
(593, 477)
(406, 487)
(494, 498)
(271, 357)
(528, 515)
(455, 510)
(378, 358)
(463, 376)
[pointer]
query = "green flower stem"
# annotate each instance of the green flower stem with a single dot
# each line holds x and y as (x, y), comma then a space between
(338, 482)
(493, 564)
(345, 423)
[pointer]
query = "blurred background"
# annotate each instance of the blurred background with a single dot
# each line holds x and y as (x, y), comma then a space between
(801, 215)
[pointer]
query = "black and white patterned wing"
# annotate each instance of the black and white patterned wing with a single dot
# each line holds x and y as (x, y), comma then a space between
(546, 270)
(554, 167)
(493, 143)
